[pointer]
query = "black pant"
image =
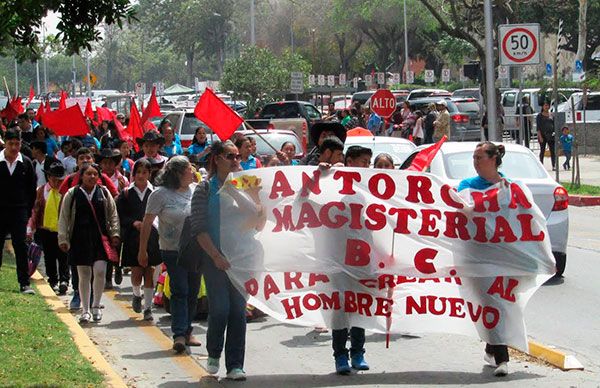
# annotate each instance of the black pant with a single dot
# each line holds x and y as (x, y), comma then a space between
(52, 256)
(500, 352)
(74, 278)
(13, 220)
(357, 341)
(550, 144)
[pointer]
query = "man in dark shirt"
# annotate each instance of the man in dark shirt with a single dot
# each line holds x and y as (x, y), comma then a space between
(17, 179)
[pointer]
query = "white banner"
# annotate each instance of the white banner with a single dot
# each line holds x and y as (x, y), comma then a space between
(390, 251)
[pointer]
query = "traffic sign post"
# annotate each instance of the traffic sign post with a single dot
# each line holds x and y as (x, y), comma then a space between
(342, 79)
(410, 77)
(519, 44)
(297, 82)
(429, 76)
(321, 80)
(368, 79)
(446, 75)
(383, 103)
(331, 80)
(311, 80)
(381, 78)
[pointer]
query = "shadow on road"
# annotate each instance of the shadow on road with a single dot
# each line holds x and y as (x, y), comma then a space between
(377, 379)
(554, 281)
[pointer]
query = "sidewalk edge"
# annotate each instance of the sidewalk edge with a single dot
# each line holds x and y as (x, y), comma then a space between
(584, 200)
(554, 356)
(82, 341)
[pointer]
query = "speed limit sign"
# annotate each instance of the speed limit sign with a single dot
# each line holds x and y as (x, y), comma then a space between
(519, 44)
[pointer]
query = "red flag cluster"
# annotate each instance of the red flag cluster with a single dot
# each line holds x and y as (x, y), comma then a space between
(13, 108)
(67, 122)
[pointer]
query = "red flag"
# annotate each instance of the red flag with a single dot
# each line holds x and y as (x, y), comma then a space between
(40, 112)
(134, 129)
(13, 108)
(31, 95)
(89, 112)
(104, 114)
(123, 135)
(48, 107)
(217, 115)
(67, 122)
(423, 159)
(153, 109)
(62, 104)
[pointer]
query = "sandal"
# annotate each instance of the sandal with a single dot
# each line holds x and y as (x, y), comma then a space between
(85, 318)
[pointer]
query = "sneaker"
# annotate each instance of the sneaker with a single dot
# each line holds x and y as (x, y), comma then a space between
(190, 340)
(148, 315)
(27, 290)
(118, 276)
(54, 287)
(75, 301)
(358, 362)
(501, 370)
(179, 344)
(136, 304)
(490, 359)
(236, 374)
(62, 288)
(96, 314)
(212, 365)
(85, 318)
(341, 365)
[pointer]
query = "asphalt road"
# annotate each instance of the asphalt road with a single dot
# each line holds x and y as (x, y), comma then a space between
(563, 315)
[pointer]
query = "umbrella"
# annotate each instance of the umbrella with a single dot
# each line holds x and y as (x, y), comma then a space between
(359, 131)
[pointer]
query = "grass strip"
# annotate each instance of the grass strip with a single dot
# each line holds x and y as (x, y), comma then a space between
(36, 348)
(582, 189)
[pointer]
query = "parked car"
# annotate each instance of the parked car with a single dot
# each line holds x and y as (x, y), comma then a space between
(536, 96)
(467, 93)
(298, 116)
(592, 110)
(454, 162)
(398, 148)
(362, 97)
(464, 124)
(421, 93)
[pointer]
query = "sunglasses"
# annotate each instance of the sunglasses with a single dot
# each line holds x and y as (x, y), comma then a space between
(232, 156)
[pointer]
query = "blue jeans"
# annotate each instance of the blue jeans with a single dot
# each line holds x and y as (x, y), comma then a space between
(185, 286)
(340, 337)
(226, 311)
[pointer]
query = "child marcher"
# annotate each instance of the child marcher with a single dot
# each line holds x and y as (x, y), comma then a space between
(566, 141)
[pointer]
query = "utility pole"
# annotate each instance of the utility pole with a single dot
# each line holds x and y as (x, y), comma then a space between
(406, 60)
(16, 78)
(252, 24)
(89, 81)
(489, 71)
(44, 58)
(74, 75)
(37, 75)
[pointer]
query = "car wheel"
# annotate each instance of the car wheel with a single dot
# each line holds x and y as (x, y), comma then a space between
(561, 263)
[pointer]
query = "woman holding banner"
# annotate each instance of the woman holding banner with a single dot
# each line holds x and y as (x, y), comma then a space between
(486, 160)
(226, 304)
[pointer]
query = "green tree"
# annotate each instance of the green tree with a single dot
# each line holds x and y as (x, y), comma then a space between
(22, 20)
(258, 76)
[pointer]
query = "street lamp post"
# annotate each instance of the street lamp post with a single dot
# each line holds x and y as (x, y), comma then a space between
(489, 71)
(406, 60)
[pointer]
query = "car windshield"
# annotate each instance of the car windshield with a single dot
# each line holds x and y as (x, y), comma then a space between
(398, 151)
(515, 165)
(191, 123)
(276, 140)
(467, 106)
(280, 111)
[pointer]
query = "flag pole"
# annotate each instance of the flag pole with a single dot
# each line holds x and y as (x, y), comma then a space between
(6, 86)
(262, 138)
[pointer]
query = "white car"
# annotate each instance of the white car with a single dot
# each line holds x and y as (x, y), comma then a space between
(592, 111)
(454, 162)
(398, 148)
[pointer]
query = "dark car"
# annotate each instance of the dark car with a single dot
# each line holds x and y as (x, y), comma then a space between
(464, 124)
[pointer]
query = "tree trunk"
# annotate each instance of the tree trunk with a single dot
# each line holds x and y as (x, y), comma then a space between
(189, 56)
(581, 43)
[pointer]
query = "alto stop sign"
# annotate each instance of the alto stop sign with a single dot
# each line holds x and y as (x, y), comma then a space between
(383, 103)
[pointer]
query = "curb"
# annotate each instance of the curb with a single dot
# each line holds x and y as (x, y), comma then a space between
(84, 343)
(584, 200)
(553, 356)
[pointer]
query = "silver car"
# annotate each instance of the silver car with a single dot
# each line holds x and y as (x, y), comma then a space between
(454, 162)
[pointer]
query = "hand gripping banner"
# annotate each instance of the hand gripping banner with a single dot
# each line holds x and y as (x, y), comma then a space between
(389, 251)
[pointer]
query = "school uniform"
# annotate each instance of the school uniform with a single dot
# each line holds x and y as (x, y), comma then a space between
(131, 206)
(17, 196)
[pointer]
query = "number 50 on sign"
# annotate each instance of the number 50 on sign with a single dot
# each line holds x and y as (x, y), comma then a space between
(519, 44)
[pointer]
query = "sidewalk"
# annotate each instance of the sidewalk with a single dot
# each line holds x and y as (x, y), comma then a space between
(589, 169)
